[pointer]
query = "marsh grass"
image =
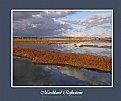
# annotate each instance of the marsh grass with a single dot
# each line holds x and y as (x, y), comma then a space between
(58, 40)
(99, 63)
(109, 47)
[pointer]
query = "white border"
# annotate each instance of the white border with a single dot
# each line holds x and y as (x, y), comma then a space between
(12, 10)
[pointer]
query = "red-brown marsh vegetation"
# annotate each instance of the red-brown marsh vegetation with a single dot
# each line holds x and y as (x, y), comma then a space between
(96, 46)
(58, 40)
(59, 58)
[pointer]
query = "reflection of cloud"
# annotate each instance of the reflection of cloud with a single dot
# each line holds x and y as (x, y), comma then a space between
(84, 50)
(93, 79)
(27, 74)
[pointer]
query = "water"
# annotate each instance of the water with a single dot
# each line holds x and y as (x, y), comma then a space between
(28, 74)
(71, 48)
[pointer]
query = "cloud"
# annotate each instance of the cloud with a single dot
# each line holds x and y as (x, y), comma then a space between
(39, 24)
(49, 23)
(53, 14)
(18, 15)
(99, 20)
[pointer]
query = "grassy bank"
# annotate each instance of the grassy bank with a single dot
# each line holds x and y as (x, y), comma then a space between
(71, 59)
(109, 47)
(58, 40)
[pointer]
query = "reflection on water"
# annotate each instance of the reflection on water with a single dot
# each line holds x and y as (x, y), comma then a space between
(71, 48)
(95, 43)
(93, 78)
(27, 74)
(83, 50)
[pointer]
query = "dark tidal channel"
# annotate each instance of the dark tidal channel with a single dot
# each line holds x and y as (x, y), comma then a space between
(26, 73)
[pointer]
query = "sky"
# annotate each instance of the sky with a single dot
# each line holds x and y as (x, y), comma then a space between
(92, 23)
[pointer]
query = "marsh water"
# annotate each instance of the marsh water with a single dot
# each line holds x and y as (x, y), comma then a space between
(28, 74)
(71, 48)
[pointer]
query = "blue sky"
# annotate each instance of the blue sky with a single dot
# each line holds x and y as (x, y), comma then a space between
(82, 15)
(62, 23)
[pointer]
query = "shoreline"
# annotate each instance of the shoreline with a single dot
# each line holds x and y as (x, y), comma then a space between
(86, 61)
(58, 40)
(96, 46)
